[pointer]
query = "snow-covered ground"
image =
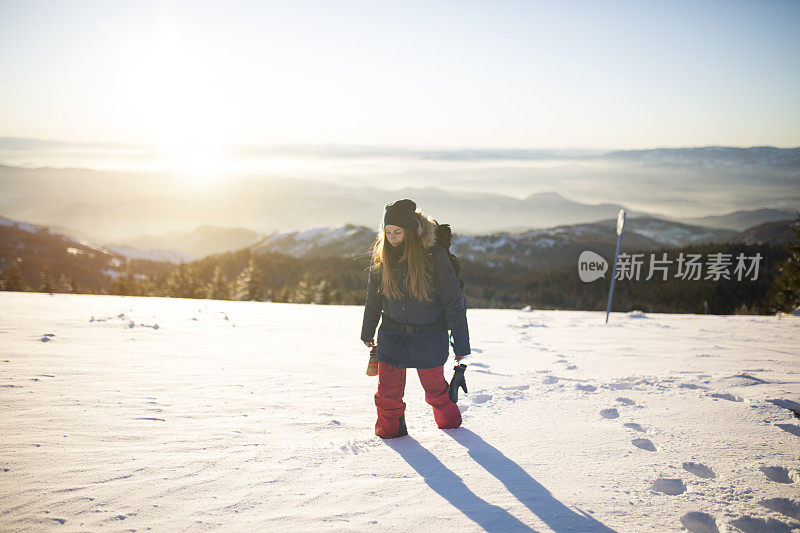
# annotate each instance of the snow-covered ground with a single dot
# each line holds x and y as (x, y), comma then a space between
(124, 413)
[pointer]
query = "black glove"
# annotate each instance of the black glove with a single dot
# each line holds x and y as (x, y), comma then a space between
(457, 381)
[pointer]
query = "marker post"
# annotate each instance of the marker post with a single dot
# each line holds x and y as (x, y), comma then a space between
(620, 226)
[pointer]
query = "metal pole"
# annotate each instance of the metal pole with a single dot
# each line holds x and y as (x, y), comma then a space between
(620, 227)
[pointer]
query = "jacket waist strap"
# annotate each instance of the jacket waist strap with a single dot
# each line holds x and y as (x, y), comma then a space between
(411, 329)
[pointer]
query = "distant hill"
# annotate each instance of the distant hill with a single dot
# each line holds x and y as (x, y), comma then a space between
(770, 233)
(721, 156)
(168, 256)
(88, 267)
(742, 220)
(537, 249)
(342, 241)
(200, 242)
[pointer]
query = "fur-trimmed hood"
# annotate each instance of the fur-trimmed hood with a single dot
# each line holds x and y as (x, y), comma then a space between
(428, 237)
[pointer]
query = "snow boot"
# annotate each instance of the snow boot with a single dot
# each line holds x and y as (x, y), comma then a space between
(401, 429)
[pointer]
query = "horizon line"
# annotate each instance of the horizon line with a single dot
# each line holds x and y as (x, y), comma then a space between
(399, 147)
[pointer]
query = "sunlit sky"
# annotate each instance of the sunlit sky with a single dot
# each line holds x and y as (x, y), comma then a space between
(561, 74)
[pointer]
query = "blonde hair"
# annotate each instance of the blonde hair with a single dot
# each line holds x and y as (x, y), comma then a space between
(419, 281)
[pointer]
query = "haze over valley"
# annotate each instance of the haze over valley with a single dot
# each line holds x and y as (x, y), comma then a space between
(476, 191)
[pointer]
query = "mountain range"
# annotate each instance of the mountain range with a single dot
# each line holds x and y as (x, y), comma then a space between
(471, 189)
(200, 242)
(36, 248)
(534, 249)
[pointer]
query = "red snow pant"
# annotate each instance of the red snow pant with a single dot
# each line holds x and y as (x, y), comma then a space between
(389, 398)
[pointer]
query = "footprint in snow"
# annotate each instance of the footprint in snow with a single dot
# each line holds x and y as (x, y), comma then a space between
(586, 388)
(746, 380)
(785, 506)
(622, 385)
(699, 470)
(609, 413)
(791, 428)
(481, 398)
(517, 387)
(356, 446)
(644, 444)
(778, 474)
(727, 396)
(121, 517)
(750, 524)
(794, 407)
(47, 337)
(549, 380)
(698, 522)
(635, 426)
(626, 401)
(672, 487)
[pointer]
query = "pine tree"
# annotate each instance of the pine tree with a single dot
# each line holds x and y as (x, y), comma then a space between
(323, 295)
(182, 282)
(218, 288)
(117, 286)
(12, 279)
(249, 283)
(147, 286)
(304, 292)
(66, 284)
(47, 281)
(130, 284)
(285, 295)
(786, 291)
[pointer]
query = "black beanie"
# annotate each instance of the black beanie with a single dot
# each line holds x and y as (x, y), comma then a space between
(401, 213)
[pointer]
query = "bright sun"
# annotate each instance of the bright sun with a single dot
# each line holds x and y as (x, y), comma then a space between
(181, 103)
(196, 163)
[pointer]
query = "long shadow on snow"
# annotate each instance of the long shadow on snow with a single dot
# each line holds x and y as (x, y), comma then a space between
(449, 486)
(527, 490)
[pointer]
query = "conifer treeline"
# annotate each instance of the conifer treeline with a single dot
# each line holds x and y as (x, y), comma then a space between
(243, 275)
(276, 277)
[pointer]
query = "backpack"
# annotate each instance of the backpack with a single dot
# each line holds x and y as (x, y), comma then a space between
(444, 237)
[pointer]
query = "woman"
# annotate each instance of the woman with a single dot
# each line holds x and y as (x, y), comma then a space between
(413, 288)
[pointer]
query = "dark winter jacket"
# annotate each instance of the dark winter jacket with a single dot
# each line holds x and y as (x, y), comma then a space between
(447, 308)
